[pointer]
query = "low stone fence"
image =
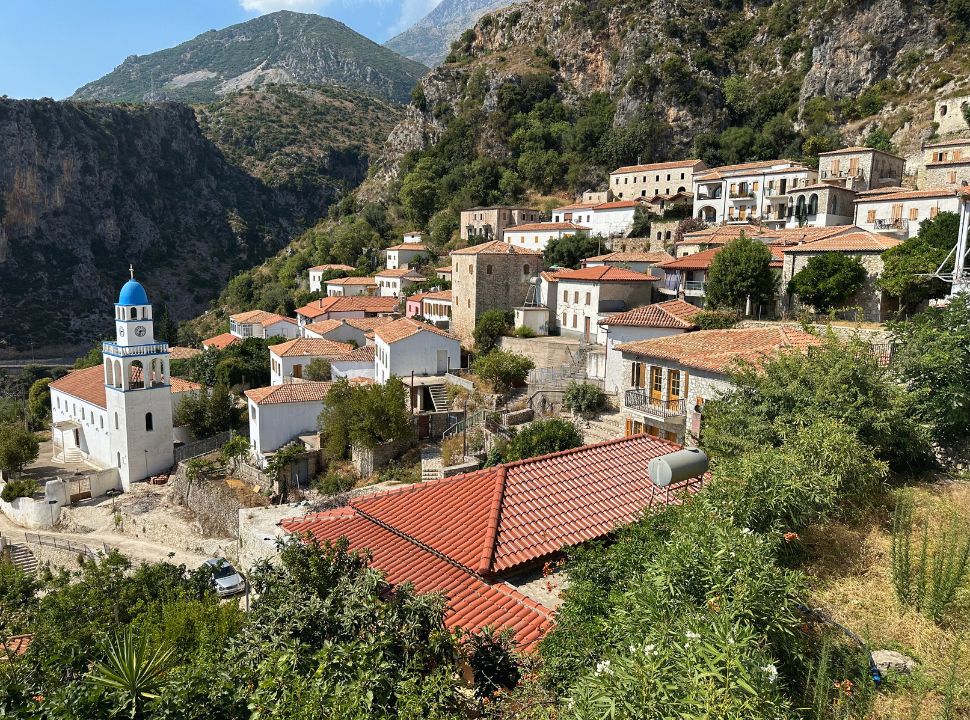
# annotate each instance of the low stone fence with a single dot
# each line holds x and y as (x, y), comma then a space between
(460, 382)
(367, 461)
(213, 500)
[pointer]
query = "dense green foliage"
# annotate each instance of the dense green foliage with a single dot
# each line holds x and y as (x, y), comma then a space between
(543, 437)
(207, 412)
(571, 250)
(716, 319)
(840, 381)
(739, 272)
(932, 357)
(244, 363)
(907, 266)
(492, 325)
(18, 447)
(828, 280)
(503, 368)
(583, 398)
(364, 416)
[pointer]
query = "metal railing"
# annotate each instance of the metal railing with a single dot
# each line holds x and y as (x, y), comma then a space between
(694, 285)
(740, 194)
(639, 399)
(891, 224)
(113, 348)
(201, 447)
(473, 420)
(60, 544)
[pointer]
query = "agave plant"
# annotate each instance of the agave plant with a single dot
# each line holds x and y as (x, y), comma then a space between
(133, 672)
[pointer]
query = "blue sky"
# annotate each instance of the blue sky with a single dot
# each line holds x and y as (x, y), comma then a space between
(49, 48)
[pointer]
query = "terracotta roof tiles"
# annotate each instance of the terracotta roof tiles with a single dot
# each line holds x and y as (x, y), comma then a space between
(405, 328)
(290, 393)
(323, 327)
(311, 347)
(408, 246)
(861, 241)
(260, 317)
(629, 257)
(910, 195)
(399, 272)
(340, 282)
(656, 166)
(674, 314)
(352, 303)
(88, 384)
(334, 266)
(604, 273)
(494, 247)
(220, 342)
(546, 227)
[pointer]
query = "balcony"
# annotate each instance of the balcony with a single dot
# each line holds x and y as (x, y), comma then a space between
(639, 399)
(116, 350)
(892, 224)
(741, 194)
(693, 287)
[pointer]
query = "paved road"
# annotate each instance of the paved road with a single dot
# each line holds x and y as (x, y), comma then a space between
(131, 547)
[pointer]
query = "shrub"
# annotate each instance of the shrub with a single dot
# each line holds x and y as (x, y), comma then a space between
(543, 437)
(503, 368)
(492, 325)
(318, 370)
(364, 415)
(583, 398)
(715, 319)
(18, 448)
(740, 271)
(492, 661)
(525, 332)
(828, 280)
(400, 473)
(18, 488)
(333, 483)
(930, 581)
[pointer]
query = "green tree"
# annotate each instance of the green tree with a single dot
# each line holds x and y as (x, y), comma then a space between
(364, 416)
(39, 402)
(319, 370)
(583, 398)
(740, 271)
(503, 369)
(933, 358)
(93, 357)
(543, 437)
(571, 250)
(492, 325)
(828, 280)
(18, 448)
(906, 267)
(235, 449)
(879, 139)
(133, 673)
(419, 194)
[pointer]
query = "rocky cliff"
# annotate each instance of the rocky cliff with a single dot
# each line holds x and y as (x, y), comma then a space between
(282, 47)
(87, 189)
(726, 81)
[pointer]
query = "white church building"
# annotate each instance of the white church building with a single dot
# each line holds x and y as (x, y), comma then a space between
(119, 414)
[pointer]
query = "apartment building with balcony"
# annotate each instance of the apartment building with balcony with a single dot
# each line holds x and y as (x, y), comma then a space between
(860, 168)
(900, 213)
(820, 205)
(669, 379)
(484, 224)
(653, 180)
(947, 164)
(686, 277)
(749, 192)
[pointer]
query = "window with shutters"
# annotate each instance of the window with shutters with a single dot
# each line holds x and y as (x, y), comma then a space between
(913, 213)
(871, 216)
(588, 298)
(934, 211)
(637, 374)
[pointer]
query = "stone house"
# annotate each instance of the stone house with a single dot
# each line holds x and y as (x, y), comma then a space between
(947, 164)
(860, 168)
(667, 380)
(654, 179)
(865, 246)
(900, 213)
(535, 236)
(489, 276)
(821, 205)
(481, 224)
(588, 295)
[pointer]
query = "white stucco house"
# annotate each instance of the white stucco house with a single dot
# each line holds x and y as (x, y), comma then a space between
(344, 308)
(279, 414)
(901, 213)
(749, 191)
(436, 308)
(290, 360)
(587, 295)
(535, 236)
(402, 255)
(351, 286)
(119, 414)
(672, 317)
(642, 262)
(408, 346)
(317, 272)
(262, 324)
(345, 330)
(394, 283)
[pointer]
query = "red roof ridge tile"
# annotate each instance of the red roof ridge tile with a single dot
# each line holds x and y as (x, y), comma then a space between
(491, 531)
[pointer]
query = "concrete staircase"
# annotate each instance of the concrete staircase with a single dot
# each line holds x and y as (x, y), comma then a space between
(439, 397)
(608, 426)
(71, 456)
(22, 557)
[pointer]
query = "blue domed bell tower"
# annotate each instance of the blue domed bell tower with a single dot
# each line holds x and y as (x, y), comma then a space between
(138, 389)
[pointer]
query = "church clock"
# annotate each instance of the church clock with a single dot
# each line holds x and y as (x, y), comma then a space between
(121, 331)
(140, 331)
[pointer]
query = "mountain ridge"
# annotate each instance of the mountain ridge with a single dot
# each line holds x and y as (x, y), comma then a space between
(281, 47)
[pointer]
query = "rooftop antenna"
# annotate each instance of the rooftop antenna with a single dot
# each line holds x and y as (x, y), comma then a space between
(958, 259)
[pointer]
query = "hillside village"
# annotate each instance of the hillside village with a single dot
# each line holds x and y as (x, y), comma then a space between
(692, 443)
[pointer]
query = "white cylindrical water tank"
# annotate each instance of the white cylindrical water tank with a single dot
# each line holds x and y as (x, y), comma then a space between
(678, 466)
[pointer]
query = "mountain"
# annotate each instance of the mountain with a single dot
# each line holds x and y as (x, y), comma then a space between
(282, 47)
(189, 196)
(429, 39)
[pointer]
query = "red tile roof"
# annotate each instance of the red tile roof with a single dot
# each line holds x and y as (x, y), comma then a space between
(88, 384)
(290, 393)
(182, 353)
(399, 272)
(311, 347)
(353, 303)
(716, 173)
(546, 226)
(723, 234)
(220, 342)
(408, 246)
(604, 273)
(459, 533)
(616, 205)
(15, 645)
(260, 317)
(910, 195)
(340, 282)
(622, 257)
(702, 260)
(368, 323)
(405, 328)
(494, 247)
(856, 149)
(674, 314)
(717, 350)
(444, 269)
(443, 295)
(656, 166)
(323, 327)
(334, 266)
(861, 241)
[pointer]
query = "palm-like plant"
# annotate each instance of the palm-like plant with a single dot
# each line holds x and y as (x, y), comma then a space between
(132, 671)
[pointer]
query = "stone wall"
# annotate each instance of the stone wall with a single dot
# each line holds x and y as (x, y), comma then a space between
(367, 461)
(213, 501)
(870, 298)
(545, 353)
(947, 175)
(487, 282)
(642, 244)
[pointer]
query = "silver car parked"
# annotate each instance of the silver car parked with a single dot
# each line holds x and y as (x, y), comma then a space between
(225, 578)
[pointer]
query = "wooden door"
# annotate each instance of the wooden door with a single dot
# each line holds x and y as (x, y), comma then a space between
(836, 167)
(656, 383)
(298, 371)
(586, 328)
(897, 211)
(674, 388)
